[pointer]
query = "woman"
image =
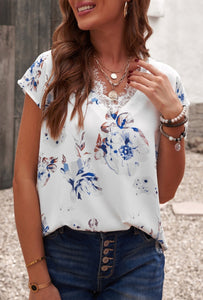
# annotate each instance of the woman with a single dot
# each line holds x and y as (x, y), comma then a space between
(91, 139)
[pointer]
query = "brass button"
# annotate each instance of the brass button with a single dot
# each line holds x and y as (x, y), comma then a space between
(106, 243)
(104, 268)
(105, 260)
(106, 251)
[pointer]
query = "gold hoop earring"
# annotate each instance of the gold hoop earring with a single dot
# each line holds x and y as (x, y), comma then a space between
(125, 9)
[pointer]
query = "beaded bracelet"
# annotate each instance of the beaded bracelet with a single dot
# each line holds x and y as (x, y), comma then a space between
(35, 261)
(179, 117)
(176, 124)
(173, 139)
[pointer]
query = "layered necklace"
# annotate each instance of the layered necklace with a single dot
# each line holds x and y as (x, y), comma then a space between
(113, 95)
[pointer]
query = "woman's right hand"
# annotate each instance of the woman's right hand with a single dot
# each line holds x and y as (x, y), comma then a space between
(49, 293)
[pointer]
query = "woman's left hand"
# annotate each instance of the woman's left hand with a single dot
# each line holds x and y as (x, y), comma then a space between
(157, 87)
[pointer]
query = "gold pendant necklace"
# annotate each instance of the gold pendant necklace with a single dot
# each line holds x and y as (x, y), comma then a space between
(113, 95)
(114, 76)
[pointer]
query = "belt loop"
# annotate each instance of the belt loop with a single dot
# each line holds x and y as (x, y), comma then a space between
(136, 230)
(61, 229)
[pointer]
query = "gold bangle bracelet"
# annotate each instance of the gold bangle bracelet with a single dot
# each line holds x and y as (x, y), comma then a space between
(35, 261)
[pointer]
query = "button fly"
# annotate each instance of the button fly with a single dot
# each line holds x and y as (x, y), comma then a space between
(107, 255)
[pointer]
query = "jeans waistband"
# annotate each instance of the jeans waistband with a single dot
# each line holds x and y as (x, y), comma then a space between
(98, 233)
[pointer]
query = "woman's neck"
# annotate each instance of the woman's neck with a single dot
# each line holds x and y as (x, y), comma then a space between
(110, 45)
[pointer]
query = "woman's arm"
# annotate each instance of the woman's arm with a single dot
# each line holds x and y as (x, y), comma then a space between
(171, 163)
(26, 202)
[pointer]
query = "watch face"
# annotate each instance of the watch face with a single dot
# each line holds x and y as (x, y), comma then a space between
(34, 288)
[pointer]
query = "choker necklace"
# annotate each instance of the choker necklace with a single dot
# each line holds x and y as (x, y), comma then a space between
(113, 95)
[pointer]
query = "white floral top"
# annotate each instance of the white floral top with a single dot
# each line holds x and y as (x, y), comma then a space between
(102, 178)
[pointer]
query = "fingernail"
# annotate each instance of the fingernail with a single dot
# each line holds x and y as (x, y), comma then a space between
(128, 81)
(137, 59)
(130, 71)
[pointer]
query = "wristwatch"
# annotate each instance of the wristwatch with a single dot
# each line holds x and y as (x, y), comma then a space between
(35, 287)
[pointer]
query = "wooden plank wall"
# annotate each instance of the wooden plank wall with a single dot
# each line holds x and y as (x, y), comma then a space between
(32, 37)
(7, 78)
(34, 22)
(7, 12)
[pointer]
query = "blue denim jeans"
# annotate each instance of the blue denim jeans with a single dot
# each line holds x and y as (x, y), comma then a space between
(118, 265)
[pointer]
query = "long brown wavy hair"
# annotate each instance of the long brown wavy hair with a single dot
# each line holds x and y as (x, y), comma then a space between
(72, 55)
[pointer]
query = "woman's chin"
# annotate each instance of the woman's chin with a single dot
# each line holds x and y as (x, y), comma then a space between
(84, 27)
(87, 25)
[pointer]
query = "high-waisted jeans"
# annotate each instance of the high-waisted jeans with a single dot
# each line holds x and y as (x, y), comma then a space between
(117, 265)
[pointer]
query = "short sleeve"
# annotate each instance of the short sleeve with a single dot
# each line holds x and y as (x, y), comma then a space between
(35, 79)
(180, 91)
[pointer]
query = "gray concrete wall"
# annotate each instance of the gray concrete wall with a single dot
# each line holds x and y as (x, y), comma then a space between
(177, 41)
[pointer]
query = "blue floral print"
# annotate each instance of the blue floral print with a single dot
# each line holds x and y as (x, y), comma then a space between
(35, 80)
(81, 179)
(46, 166)
(180, 91)
(121, 146)
(94, 100)
(35, 72)
(126, 152)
